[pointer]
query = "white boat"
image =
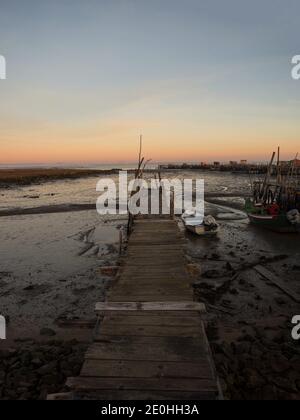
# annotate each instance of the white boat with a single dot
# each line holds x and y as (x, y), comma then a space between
(195, 223)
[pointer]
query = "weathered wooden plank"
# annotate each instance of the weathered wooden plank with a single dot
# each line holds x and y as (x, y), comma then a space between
(152, 263)
(157, 237)
(152, 231)
(180, 278)
(148, 298)
(150, 238)
(150, 235)
(155, 231)
(155, 285)
(151, 285)
(172, 349)
(154, 268)
(144, 281)
(158, 294)
(156, 254)
(146, 256)
(147, 330)
(149, 277)
(276, 281)
(150, 306)
(157, 250)
(153, 346)
(153, 243)
(161, 395)
(157, 262)
(160, 220)
(173, 280)
(164, 248)
(139, 270)
(148, 384)
(63, 396)
(165, 271)
(152, 319)
(155, 314)
(155, 292)
(146, 369)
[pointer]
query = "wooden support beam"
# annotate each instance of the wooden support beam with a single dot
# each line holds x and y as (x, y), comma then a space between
(150, 306)
(276, 281)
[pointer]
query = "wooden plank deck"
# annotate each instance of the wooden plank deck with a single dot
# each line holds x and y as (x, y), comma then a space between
(141, 353)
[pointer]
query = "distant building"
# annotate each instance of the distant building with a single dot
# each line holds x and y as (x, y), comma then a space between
(244, 162)
(233, 163)
(217, 164)
(296, 163)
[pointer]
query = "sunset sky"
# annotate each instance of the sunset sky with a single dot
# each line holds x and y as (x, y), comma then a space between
(201, 79)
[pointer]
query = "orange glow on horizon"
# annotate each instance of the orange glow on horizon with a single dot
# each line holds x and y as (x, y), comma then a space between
(118, 142)
(127, 153)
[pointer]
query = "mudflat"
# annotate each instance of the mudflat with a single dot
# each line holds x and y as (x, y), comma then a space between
(32, 175)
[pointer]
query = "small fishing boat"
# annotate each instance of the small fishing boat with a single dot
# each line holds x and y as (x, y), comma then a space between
(282, 222)
(275, 205)
(195, 223)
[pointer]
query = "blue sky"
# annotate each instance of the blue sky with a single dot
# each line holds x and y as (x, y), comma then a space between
(207, 78)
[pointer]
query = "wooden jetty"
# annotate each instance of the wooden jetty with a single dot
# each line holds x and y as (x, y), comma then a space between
(151, 343)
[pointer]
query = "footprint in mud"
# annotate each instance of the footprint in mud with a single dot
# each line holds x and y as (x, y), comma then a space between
(86, 238)
(88, 250)
(98, 241)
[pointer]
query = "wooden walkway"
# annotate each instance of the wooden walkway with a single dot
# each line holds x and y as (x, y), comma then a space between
(149, 354)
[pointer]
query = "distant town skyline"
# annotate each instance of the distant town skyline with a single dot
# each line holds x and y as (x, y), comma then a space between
(202, 80)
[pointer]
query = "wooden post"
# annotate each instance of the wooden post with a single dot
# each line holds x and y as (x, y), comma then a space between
(267, 178)
(172, 204)
(137, 175)
(120, 242)
(278, 167)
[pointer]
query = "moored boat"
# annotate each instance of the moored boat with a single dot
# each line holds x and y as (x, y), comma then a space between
(276, 222)
(199, 225)
(275, 205)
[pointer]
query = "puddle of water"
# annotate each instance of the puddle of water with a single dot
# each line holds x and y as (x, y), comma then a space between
(231, 216)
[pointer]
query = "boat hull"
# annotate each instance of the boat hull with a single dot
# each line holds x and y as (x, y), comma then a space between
(201, 231)
(274, 223)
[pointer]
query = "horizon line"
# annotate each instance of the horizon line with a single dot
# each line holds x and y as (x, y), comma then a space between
(182, 162)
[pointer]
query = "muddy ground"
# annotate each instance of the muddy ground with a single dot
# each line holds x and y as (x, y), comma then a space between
(51, 277)
(249, 317)
(53, 271)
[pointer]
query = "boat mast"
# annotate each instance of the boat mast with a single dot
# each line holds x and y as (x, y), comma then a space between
(264, 192)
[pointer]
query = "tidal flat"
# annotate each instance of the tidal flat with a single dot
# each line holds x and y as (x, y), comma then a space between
(51, 277)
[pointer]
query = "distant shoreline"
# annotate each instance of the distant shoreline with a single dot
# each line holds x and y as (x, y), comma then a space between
(25, 177)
